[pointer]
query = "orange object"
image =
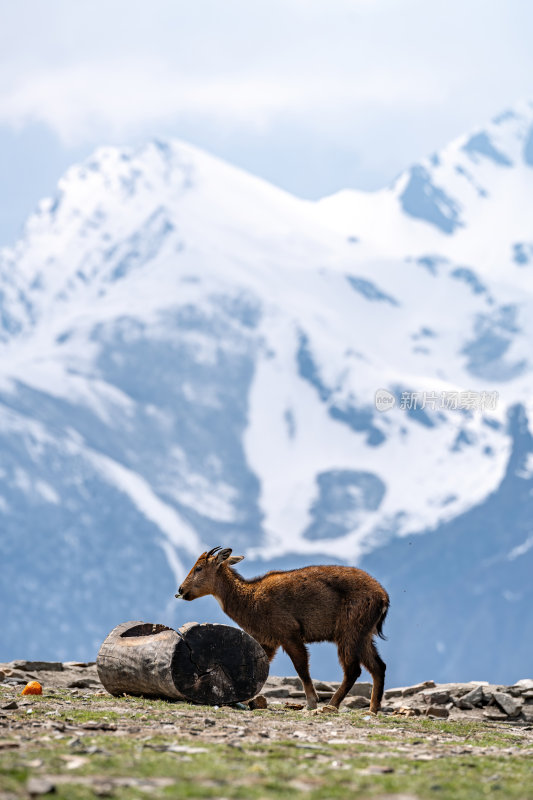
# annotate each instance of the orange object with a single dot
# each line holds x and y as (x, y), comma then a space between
(33, 687)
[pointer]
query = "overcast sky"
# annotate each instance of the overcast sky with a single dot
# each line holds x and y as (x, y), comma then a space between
(314, 95)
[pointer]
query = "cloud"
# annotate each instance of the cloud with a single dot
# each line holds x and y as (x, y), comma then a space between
(88, 101)
(379, 78)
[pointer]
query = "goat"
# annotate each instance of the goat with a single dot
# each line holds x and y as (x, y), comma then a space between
(289, 609)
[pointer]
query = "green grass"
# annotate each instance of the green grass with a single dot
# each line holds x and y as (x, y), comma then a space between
(270, 769)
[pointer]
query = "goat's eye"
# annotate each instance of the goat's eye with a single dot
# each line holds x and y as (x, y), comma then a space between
(198, 569)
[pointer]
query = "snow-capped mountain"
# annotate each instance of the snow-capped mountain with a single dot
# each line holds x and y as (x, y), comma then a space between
(190, 357)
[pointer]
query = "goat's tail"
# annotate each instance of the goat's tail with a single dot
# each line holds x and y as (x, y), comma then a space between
(381, 620)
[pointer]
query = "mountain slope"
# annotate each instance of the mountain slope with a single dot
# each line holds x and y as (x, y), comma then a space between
(190, 357)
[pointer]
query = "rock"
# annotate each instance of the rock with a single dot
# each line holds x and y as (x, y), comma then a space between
(258, 702)
(525, 684)
(324, 695)
(438, 696)
(357, 702)
(495, 714)
(389, 694)
(38, 786)
(8, 744)
(514, 691)
(35, 666)
(2, 675)
(328, 710)
(473, 699)
(322, 686)
(290, 681)
(9, 706)
(70, 664)
(274, 680)
(361, 689)
(509, 704)
(406, 711)
(418, 687)
(84, 683)
(527, 713)
(20, 680)
(276, 691)
(296, 694)
(437, 711)
(457, 689)
(488, 694)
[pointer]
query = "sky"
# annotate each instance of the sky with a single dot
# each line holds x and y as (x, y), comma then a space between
(313, 95)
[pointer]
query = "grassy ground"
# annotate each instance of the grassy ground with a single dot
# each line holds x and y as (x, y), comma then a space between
(95, 745)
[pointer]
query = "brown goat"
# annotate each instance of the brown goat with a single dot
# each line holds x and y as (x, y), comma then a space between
(289, 609)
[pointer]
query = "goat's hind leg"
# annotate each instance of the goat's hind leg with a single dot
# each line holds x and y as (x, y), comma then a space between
(352, 669)
(373, 662)
(297, 652)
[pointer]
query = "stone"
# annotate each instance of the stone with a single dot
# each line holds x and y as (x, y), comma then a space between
(509, 704)
(405, 711)
(495, 714)
(276, 691)
(437, 711)
(69, 664)
(35, 666)
(322, 686)
(389, 694)
(357, 702)
(457, 689)
(417, 687)
(328, 710)
(83, 683)
(525, 683)
(9, 706)
(274, 680)
(290, 681)
(259, 702)
(38, 786)
(473, 699)
(527, 713)
(488, 694)
(2, 675)
(325, 695)
(361, 689)
(436, 696)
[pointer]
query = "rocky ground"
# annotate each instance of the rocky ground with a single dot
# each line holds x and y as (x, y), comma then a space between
(465, 740)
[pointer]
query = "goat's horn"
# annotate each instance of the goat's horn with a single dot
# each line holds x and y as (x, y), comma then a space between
(213, 551)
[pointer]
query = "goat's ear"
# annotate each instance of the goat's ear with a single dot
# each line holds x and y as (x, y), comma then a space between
(223, 555)
(234, 560)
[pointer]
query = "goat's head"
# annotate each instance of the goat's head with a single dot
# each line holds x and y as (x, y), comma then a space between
(202, 577)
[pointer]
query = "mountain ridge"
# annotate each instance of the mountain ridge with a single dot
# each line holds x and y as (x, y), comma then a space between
(191, 356)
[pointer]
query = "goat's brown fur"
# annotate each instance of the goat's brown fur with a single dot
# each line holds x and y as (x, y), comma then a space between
(289, 609)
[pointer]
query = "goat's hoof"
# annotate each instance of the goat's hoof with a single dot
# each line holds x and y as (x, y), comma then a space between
(311, 705)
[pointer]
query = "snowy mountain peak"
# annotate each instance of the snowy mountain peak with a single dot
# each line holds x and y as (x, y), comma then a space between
(191, 356)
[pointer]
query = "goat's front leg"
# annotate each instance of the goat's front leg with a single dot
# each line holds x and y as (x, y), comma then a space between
(297, 652)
